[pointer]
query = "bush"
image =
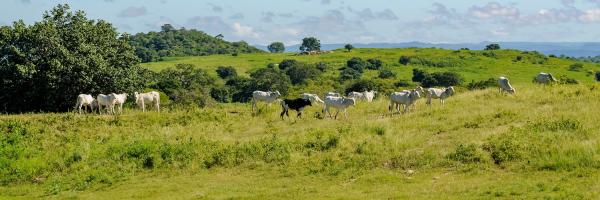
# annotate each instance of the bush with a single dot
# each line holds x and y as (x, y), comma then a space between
(267, 79)
(466, 154)
(386, 73)
(597, 76)
(483, 84)
(322, 66)
(287, 63)
(418, 75)
(504, 148)
(437, 62)
(404, 60)
(221, 94)
(226, 72)
(445, 79)
(404, 83)
(299, 73)
(374, 64)
(185, 85)
(362, 85)
(567, 81)
(357, 64)
(576, 67)
(349, 74)
(490, 47)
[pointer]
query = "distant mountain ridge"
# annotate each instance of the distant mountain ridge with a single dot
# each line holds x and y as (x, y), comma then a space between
(573, 49)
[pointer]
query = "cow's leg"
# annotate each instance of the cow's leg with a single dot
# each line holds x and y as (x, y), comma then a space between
(157, 106)
(337, 111)
(429, 100)
(346, 113)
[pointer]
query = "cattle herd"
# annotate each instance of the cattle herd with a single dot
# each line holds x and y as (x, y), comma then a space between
(405, 99)
(110, 101)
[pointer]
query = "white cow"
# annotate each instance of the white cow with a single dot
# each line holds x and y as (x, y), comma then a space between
(267, 97)
(332, 94)
(436, 93)
(153, 97)
(544, 78)
(312, 98)
(85, 100)
(369, 95)
(406, 99)
(505, 86)
(108, 101)
(339, 103)
(119, 100)
(359, 96)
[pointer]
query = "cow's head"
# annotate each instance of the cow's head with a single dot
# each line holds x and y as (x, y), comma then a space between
(349, 101)
(276, 93)
(450, 90)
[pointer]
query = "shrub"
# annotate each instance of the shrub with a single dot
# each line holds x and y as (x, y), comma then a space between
(404, 60)
(483, 84)
(322, 66)
(403, 83)
(221, 94)
(437, 62)
(576, 67)
(287, 63)
(374, 64)
(185, 85)
(418, 75)
(466, 154)
(447, 79)
(386, 73)
(492, 47)
(226, 72)
(567, 81)
(504, 148)
(349, 74)
(597, 76)
(301, 72)
(267, 79)
(357, 64)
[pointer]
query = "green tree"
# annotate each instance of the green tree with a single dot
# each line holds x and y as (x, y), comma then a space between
(186, 84)
(349, 47)
(301, 72)
(269, 79)
(404, 60)
(493, 46)
(374, 64)
(46, 65)
(386, 73)
(226, 72)
(287, 63)
(276, 47)
(310, 44)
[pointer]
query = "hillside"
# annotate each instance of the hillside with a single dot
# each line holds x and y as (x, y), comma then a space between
(542, 143)
(153, 46)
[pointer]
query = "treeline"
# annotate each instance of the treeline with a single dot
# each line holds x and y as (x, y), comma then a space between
(153, 46)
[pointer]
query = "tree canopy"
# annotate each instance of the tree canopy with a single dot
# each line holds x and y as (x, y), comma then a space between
(169, 41)
(310, 44)
(276, 47)
(45, 66)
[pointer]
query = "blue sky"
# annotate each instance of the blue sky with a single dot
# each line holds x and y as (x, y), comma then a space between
(342, 21)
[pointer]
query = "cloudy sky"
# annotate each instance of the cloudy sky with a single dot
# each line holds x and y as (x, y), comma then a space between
(342, 21)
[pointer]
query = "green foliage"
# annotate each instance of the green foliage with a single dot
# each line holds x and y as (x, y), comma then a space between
(576, 67)
(404, 60)
(483, 84)
(186, 84)
(349, 74)
(169, 42)
(374, 64)
(301, 72)
(563, 79)
(358, 64)
(310, 44)
(445, 79)
(597, 75)
(226, 72)
(504, 148)
(418, 75)
(404, 83)
(47, 64)
(492, 47)
(276, 47)
(467, 154)
(386, 73)
(321, 66)
(348, 47)
(437, 62)
(268, 79)
(287, 63)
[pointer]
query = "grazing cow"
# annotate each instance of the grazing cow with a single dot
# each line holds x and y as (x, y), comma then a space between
(141, 99)
(418, 89)
(85, 100)
(294, 104)
(108, 101)
(119, 100)
(544, 78)
(359, 96)
(312, 97)
(332, 94)
(339, 103)
(505, 85)
(406, 99)
(369, 95)
(267, 97)
(436, 93)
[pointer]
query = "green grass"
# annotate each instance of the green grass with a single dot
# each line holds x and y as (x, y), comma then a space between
(542, 143)
(473, 65)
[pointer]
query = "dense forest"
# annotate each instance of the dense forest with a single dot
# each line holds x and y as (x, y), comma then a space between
(152, 46)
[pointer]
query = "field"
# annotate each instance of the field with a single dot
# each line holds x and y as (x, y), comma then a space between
(542, 143)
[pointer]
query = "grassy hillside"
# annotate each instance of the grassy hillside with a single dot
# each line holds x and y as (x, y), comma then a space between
(543, 142)
(473, 65)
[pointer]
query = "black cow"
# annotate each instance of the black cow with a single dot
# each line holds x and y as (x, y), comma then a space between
(294, 104)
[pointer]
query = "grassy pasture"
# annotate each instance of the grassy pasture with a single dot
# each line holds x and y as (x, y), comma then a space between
(543, 142)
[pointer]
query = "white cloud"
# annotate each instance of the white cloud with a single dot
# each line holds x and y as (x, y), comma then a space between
(589, 16)
(495, 10)
(244, 31)
(133, 12)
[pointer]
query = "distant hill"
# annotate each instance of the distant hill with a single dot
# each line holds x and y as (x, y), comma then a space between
(169, 41)
(572, 49)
